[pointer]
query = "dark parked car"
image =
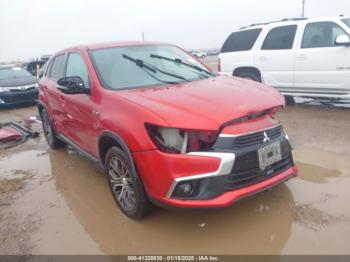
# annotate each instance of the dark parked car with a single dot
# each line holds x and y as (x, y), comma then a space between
(17, 86)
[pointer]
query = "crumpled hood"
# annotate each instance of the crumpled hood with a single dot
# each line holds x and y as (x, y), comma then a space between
(205, 104)
(18, 81)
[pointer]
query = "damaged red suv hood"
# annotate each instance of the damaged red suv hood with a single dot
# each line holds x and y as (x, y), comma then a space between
(205, 104)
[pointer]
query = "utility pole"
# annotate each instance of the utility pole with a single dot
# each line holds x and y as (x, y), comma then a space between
(143, 36)
(303, 9)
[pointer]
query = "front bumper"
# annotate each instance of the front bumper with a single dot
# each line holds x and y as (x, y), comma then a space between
(230, 197)
(12, 98)
(220, 177)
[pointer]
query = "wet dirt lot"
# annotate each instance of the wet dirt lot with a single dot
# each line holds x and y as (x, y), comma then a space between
(56, 202)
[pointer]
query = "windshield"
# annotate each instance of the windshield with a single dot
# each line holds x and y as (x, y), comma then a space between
(117, 72)
(14, 72)
(346, 21)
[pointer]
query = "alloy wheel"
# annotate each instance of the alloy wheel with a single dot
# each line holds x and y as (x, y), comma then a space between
(121, 183)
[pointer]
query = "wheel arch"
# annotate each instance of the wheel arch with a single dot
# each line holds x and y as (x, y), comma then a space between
(108, 139)
(247, 69)
(40, 107)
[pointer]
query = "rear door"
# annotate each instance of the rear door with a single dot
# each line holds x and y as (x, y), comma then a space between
(81, 117)
(322, 66)
(53, 95)
(277, 56)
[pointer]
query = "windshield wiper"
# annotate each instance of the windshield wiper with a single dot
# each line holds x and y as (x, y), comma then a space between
(142, 67)
(178, 60)
(142, 64)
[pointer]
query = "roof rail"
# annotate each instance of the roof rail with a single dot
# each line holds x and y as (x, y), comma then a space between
(282, 20)
(293, 19)
(251, 25)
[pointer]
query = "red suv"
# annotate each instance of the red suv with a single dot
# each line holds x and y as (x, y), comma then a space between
(164, 128)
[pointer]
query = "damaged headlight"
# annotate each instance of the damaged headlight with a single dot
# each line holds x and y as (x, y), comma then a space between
(176, 141)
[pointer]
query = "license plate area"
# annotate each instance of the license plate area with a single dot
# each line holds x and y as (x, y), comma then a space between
(269, 155)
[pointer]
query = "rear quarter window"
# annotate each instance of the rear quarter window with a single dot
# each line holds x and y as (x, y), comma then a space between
(48, 68)
(58, 67)
(241, 41)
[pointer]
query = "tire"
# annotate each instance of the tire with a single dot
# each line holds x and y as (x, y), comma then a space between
(125, 185)
(250, 75)
(289, 100)
(49, 131)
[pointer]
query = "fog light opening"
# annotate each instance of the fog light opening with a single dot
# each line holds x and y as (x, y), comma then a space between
(184, 189)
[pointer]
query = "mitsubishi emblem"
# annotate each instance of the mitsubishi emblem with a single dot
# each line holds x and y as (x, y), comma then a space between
(266, 138)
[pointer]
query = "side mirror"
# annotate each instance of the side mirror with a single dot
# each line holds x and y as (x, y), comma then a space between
(342, 40)
(72, 85)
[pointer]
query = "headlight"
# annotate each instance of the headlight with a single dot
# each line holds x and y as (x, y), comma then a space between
(176, 141)
(4, 89)
(36, 85)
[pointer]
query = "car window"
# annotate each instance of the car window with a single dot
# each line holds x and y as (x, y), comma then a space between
(57, 68)
(347, 21)
(321, 34)
(280, 38)
(241, 41)
(76, 67)
(48, 69)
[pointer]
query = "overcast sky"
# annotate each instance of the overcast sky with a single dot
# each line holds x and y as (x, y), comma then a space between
(30, 28)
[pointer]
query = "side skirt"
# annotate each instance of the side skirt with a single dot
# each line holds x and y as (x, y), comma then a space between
(81, 151)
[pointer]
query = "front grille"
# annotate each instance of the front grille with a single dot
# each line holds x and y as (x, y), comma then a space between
(17, 89)
(253, 175)
(257, 139)
(21, 97)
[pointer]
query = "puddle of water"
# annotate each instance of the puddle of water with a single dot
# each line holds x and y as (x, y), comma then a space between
(316, 174)
(239, 229)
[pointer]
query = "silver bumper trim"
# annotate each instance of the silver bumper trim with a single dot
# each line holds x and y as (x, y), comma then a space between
(225, 167)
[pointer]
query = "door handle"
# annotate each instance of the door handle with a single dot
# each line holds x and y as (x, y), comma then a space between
(262, 58)
(302, 57)
(95, 112)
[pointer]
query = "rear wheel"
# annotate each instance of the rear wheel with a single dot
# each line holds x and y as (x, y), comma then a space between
(289, 100)
(250, 75)
(49, 131)
(126, 186)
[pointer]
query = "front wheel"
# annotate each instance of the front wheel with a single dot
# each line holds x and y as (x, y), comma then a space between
(126, 186)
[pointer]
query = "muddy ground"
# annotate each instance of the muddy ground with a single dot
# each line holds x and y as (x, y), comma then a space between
(56, 202)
